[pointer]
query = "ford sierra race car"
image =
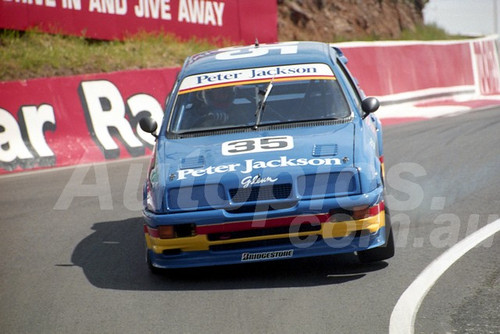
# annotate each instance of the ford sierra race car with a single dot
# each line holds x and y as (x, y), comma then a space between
(266, 152)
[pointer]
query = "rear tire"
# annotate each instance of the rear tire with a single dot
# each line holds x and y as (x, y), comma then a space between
(383, 252)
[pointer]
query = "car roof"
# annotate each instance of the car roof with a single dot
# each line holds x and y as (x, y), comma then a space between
(306, 52)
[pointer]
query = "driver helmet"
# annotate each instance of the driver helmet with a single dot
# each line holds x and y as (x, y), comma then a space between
(221, 97)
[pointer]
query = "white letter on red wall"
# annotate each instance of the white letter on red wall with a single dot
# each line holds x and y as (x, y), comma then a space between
(141, 105)
(12, 147)
(105, 114)
(35, 120)
(23, 144)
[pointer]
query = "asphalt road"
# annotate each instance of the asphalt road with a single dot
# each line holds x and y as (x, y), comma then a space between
(72, 252)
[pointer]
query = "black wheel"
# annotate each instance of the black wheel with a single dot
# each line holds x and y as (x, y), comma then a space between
(383, 252)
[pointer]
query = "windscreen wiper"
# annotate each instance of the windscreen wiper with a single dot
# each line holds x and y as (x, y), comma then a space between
(262, 103)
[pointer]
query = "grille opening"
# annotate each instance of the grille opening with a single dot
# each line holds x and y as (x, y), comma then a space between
(170, 252)
(306, 227)
(184, 230)
(360, 233)
(261, 193)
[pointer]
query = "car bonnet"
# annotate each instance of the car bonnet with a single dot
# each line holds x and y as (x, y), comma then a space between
(214, 167)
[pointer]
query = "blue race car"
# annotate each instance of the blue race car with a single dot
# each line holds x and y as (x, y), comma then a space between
(265, 152)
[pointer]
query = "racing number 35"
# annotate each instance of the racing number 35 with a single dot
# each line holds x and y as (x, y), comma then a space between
(254, 145)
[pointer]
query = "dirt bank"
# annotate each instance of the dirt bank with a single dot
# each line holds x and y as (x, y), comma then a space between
(328, 20)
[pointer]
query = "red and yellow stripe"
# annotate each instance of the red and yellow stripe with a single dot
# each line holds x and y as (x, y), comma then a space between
(329, 229)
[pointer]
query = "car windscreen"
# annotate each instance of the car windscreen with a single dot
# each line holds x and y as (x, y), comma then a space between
(258, 97)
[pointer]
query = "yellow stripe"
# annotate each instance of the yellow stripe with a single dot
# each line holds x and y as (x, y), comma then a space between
(382, 165)
(343, 229)
(328, 230)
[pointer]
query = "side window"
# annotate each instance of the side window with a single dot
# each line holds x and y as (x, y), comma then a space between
(352, 86)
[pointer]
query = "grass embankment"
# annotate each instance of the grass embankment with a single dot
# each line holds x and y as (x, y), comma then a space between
(26, 55)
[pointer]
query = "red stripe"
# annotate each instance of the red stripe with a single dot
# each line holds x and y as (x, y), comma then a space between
(265, 223)
(376, 209)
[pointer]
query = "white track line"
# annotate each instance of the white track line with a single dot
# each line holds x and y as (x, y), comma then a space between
(404, 313)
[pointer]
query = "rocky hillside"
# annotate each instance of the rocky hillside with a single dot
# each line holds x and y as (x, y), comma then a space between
(328, 20)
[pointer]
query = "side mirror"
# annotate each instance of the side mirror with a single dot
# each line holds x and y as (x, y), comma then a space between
(149, 125)
(369, 105)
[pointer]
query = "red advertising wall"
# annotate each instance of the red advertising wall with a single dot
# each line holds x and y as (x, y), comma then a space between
(235, 20)
(89, 118)
(486, 62)
(80, 119)
(395, 68)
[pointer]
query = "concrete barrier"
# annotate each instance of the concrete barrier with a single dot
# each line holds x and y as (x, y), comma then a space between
(63, 121)
(80, 119)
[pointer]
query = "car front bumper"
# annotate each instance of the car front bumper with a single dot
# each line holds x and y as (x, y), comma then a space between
(329, 236)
